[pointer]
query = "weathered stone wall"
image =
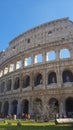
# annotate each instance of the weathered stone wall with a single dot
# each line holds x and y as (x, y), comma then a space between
(56, 35)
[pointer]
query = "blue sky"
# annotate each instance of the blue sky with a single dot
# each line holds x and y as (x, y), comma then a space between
(18, 16)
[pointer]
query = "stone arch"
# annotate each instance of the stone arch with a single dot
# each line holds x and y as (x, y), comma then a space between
(64, 53)
(69, 107)
(14, 106)
(51, 55)
(38, 79)
(67, 76)
(28, 61)
(6, 108)
(26, 81)
(52, 78)
(18, 64)
(53, 108)
(25, 106)
(38, 58)
(16, 83)
(8, 85)
(37, 108)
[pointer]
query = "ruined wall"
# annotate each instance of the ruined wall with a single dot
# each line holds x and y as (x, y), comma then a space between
(24, 79)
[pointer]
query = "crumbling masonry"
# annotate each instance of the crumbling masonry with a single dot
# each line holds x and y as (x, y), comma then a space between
(36, 72)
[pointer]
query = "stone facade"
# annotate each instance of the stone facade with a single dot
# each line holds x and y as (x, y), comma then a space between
(36, 72)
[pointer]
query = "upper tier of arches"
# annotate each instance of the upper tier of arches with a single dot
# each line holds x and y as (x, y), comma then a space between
(34, 59)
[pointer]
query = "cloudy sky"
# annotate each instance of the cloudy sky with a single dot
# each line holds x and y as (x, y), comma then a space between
(18, 16)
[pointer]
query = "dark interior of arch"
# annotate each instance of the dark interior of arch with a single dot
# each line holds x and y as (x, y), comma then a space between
(25, 106)
(67, 76)
(6, 107)
(54, 100)
(2, 86)
(69, 107)
(9, 82)
(52, 78)
(26, 81)
(16, 84)
(15, 102)
(38, 79)
(38, 100)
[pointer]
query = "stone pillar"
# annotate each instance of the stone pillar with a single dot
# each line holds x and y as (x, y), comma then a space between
(18, 107)
(31, 106)
(13, 80)
(14, 65)
(10, 108)
(5, 87)
(32, 80)
(44, 106)
(62, 109)
(21, 82)
(45, 109)
(44, 56)
(32, 56)
(59, 72)
(57, 54)
(59, 77)
(44, 79)
(8, 67)
(22, 58)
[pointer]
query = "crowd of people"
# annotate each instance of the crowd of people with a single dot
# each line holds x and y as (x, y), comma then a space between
(12, 116)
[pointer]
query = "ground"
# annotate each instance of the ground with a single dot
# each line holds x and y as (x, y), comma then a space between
(31, 125)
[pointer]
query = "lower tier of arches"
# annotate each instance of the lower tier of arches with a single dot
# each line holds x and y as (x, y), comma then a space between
(38, 108)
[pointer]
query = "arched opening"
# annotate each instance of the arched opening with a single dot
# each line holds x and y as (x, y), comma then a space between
(25, 106)
(6, 107)
(50, 56)
(26, 81)
(5, 70)
(14, 106)
(16, 83)
(18, 64)
(38, 79)
(1, 73)
(64, 53)
(38, 58)
(67, 76)
(69, 107)
(28, 61)
(37, 108)
(2, 87)
(53, 108)
(11, 67)
(52, 78)
(9, 82)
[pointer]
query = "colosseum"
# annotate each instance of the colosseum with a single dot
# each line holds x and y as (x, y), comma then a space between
(36, 72)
